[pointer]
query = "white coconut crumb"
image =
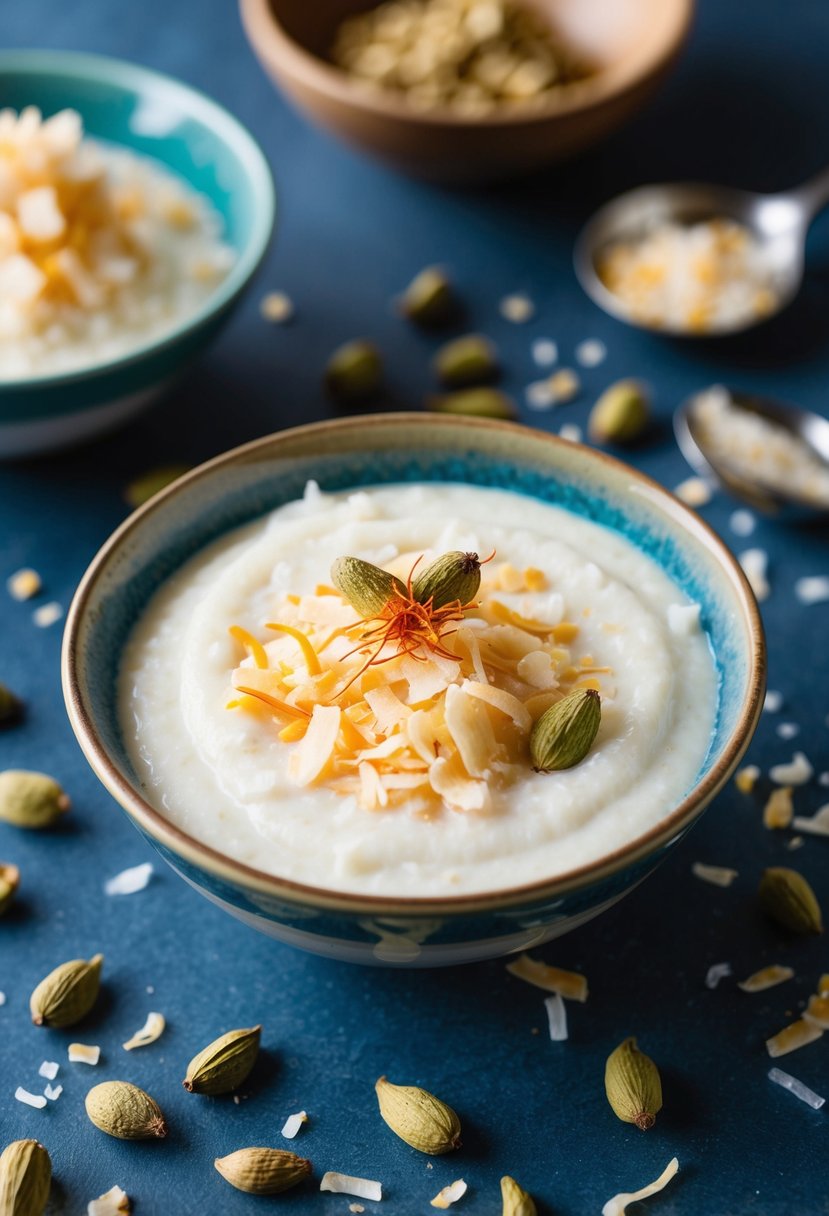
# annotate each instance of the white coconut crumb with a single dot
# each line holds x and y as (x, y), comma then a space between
(24, 584)
(36, 1100)
(812, 590)
(788, 730)
(128, 882)
(773, 702)
(236, 1099)
(823, 779)
(152, 1029)
(717, 972)
(755, 564)
(768, 977)
(517, 308)
(312, 492)
(276, 307)
(718, 876)
(565, 384)
(791, 1038)
(150, 990)
(797, 1088)
(798, 772)
(742, 523)
(796, 842)
(293, 1123)
(345, 1184)
(571, 432)
(816, 825)
(683, 619)
(84, 1053)
(591, 352)
(556, 1017)
(450, 1194)
(2, 998)
(114, 1203)
(539, 395)
(694, 491)
(544, 352)
(356, 1207)
(746, 778)
(49, 1069)
(617, 1206)
(47, 614)
(53, 1092)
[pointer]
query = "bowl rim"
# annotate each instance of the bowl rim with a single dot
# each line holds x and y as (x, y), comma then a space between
(246, 877)
(271, 41)
(128, 76)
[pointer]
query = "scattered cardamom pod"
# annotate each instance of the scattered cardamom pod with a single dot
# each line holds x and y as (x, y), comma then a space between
(25, 1178)
(469, 360)
(224, 1064)
(564, 733)
(68, 993)
(30, 800)
(620, 415)
(9, 882)
(125, 1111)
(633, 1085)
(366, 587)
(354, 371)
(452, 576)
(515, 1199)
(262, 1171)
(788, 898)
(142, 489)
(474, 403)
(418, 1117)
(429, 300)
(11, 707)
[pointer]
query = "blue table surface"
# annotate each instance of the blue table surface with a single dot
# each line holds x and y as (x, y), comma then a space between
(748, 106)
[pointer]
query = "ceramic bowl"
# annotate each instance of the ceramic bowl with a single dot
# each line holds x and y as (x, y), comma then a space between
(159, 117)
(630, 46)
(250, 480)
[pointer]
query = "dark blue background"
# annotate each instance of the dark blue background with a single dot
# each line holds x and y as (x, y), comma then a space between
(749, 105)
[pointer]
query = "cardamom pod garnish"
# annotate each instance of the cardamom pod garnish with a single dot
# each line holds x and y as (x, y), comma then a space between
(354, 371)
(564, 733)
(9, 882)
(418, 1117)
(474, 403)
(452, 576)
(68, 993)
(620, 415)
(25, 1178)
(30, 800)
(516, 1201)
(633, 1085)
(125, 1111)
(262, 1171)
(366, 587)
(11, 707)
(429, 300)
(787, 898)
(469, 360)
(224, 1064)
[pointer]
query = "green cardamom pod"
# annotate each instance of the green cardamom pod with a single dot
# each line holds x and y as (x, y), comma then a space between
(474, 403)
(11, 707)
(418, 1117)
(30, 800)
(354, 371)
(633, 1085)
(469, 360)
(620, 415)
(68, 993)
(516, 1201)
(564, 733)
(450, 577)
(366, 587)
(25, 1178)
(787, 898)
(262, 1171)
(224, 1064)
(429, 300)
(9, 882)
(125, 1111)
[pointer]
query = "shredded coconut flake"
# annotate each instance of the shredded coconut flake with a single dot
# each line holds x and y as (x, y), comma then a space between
(817, 825)
(591, 352)
(768, 977)
(755, 564)
(792, 1038)
(694, 491)
(544, 352)
(114, 1203)
(617, 1206)
(569, 984)
(745, 779)
(798, 772)
(36, 1100)
(539, 395)
(356, 1207)
(47, 614)
(773, 702)
(801, 1091)
(276, 307)
(787, 730)
(152, 1029)
(128, 882)
(718, 876)
(556, 1017)
(293, 1123)
(742, 523)
(83, 1053)
(48, 1069)
(345, 1184)
(571, 432)
(813, 589)
(778, 811)
(53, 1092)
(2, 998)
(517, 308)
(717, 972)
(24, 584)
(450, 1194)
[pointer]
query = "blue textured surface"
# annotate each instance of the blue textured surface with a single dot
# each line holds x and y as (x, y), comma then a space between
(350, 237)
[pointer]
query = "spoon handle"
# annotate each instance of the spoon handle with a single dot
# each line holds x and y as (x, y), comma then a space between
(813, 195)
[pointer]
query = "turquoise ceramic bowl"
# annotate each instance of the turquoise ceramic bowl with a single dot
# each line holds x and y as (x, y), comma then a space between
(159, 117)
(251, 480)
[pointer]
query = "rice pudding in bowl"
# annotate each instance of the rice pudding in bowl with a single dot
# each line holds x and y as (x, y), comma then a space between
(359, 789)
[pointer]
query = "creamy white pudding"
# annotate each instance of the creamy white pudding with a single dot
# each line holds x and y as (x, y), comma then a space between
(413, 776)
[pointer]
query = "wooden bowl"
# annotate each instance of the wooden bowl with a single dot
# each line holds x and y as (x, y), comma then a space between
(631, 44)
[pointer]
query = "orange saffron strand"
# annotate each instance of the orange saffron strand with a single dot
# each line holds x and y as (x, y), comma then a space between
(254, 648)
(281, 707)
(310, 655)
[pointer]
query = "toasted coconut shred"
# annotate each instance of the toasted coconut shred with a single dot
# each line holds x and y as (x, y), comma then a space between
(114, 1203)
(568, 984)
(778, 811)
(152, 1029)
(746, 778)
(450, 1194)
(718, 876)
(617, 1206)
(768, 977)
(345, 1184)
(799, 1034)
(83, 1053)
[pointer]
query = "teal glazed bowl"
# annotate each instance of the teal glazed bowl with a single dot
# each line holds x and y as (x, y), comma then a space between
(249, 481)
(156, 116)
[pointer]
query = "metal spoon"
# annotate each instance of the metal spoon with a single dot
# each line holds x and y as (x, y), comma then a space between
(810, 429)
(779, 222)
